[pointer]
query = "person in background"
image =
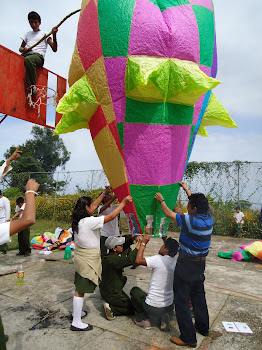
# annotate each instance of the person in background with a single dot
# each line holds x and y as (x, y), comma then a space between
(239, 221)
(24, 235)
(4, 216)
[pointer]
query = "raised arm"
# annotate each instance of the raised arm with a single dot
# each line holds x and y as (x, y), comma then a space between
(28, 218)
(53, 43)
(13, 156)
(140, 260)
(117, 210)
(184, 186)
(94, 205)
(167, 212)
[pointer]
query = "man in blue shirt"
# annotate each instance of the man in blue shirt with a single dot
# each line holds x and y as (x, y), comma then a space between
(194, 241)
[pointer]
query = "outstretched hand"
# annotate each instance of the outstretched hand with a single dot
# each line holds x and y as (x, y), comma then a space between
(183, 185)
(159, 197)
(16, 154)
(127, 199)
(108, 189)
(145, 239)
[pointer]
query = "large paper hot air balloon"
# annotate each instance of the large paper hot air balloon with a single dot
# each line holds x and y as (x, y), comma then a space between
(141, 78)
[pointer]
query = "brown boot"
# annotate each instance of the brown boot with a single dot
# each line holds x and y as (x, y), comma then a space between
(180, 342)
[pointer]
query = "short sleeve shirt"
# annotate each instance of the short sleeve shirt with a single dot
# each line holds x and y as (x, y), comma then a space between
(4, 233)
(111, 227)
(88, 232)
(17, 208)
(31, 37)
(195, 237)
(160, 289)
(239, 217)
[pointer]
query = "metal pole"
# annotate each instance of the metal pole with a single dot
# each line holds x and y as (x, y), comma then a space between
(238, 183)
(3, 118)
(55, 194)
(92, 178)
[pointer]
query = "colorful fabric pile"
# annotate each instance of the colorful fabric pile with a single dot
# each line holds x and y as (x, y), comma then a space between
(49, 241)
(246, 252)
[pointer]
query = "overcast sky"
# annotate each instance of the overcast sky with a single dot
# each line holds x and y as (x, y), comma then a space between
(238, 28)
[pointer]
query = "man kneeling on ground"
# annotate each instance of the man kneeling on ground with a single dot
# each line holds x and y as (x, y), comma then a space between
(156, 307)
(117, 302)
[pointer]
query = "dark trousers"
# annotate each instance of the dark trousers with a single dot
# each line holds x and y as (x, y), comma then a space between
(24, 241)
(31, 61)
(2, 336)
(143, 311)
(120, 303)
(103, 248)
(189, 283)
(3, 248)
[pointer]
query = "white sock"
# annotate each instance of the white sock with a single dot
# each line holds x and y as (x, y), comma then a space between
(77, 311)
(83, 313)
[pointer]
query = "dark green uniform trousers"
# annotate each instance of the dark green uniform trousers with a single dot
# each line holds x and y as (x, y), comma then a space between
(2, 336)
(143, 311)
(24, 241)
(31, 61)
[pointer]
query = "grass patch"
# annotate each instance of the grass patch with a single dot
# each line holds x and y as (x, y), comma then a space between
(40, 227)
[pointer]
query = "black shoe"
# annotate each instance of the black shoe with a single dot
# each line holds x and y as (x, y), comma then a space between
(75, 329)
(19, 253)
(204, 333)
(133, 267)
(27, 254)
(6, 338)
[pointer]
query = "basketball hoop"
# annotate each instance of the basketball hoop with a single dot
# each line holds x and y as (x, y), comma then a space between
(45, 96)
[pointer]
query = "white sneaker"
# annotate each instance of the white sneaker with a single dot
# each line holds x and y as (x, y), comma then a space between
(109, 313)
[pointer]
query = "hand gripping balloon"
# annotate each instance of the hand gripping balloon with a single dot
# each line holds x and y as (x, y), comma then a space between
(141, 78)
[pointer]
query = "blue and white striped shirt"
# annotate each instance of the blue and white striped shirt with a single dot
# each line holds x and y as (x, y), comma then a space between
(195, 237)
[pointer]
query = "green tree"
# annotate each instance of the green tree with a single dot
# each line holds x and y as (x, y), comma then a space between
(43, 154)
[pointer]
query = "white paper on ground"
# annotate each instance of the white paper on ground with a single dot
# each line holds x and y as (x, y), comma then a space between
(236, 327)
(45, 252)
(243, 327)
(230, 327)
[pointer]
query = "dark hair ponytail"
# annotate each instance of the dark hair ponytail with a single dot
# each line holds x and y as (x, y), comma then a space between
(80, 212)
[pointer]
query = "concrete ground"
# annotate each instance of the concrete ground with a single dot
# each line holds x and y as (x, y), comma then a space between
(233, 291)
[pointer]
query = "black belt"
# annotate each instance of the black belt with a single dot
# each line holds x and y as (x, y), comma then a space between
(200, 258)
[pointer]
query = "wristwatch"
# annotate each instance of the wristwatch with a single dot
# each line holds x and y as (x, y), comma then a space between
(161, 200)
(143, 244)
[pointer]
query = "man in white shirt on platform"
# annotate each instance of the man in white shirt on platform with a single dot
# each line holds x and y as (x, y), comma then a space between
(156, 307)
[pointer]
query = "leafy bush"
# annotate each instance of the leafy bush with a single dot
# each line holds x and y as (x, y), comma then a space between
(12, 192)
